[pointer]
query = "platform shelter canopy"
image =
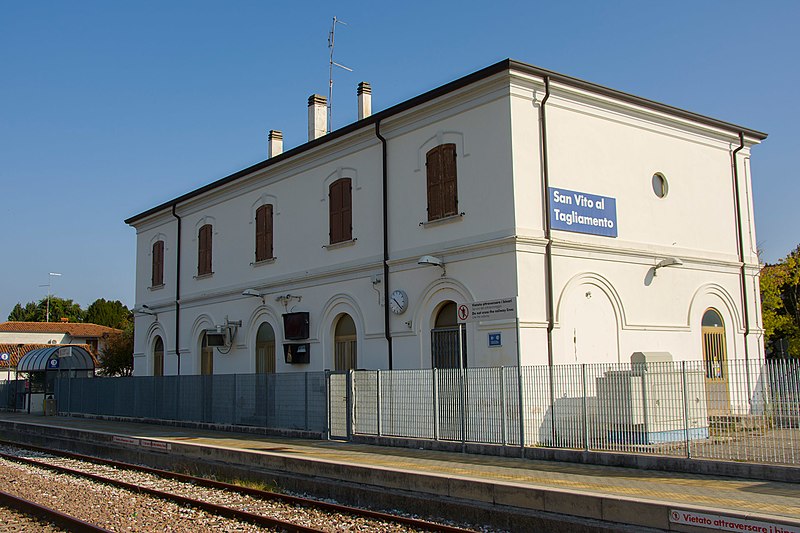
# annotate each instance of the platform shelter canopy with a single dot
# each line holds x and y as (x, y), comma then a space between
(56, 358)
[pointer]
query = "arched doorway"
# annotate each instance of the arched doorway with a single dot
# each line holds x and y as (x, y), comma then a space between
(158, 357)
(265, 349)
(206, 357)
(715, 362)
(345, 353)
(446, 350)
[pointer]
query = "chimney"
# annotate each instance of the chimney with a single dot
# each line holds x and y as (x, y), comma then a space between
(275, 143)
(317, 116)
(364, 100)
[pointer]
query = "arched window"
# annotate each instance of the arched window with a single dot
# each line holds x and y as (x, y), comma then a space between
(206, 357)
(446, 349)
(340, 210)
(345, 344)
(158, 357)
(442, 181)
(265, 349)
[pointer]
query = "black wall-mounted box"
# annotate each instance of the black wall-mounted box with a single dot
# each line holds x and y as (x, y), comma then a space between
(295, 326)
(297, 354)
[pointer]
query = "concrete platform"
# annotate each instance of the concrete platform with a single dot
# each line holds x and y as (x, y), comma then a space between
(516, 494)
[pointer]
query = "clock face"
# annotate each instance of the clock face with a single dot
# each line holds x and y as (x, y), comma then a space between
(398, 302)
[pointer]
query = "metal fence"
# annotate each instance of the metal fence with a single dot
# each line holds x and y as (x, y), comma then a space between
(12, 394)
(741, 412)
(275, 401)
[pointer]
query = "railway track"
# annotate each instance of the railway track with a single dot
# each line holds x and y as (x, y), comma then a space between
(235, 502)
(47, 515)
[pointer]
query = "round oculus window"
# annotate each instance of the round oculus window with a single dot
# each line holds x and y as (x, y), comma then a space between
(660, 186)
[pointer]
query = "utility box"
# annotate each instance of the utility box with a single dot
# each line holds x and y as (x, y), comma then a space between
(295, 354)
(654, 402)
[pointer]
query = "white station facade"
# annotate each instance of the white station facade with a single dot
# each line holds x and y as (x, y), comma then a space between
(610, 224)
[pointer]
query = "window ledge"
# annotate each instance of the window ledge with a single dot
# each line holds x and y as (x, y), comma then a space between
(445, 220)
(338, 245)
(155, 287)
(263, 262)
(203, 276)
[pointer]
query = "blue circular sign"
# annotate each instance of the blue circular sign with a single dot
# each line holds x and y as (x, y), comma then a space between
(52, 363)
(4, 356)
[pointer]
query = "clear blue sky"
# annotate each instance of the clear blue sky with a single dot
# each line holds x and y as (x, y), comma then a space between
(110, 108)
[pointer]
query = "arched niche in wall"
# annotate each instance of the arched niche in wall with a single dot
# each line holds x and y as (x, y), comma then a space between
(335, 307)
(589, 316)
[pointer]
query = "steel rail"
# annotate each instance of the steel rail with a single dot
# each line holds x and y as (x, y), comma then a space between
(62, 520)
(217, 510)
(262, 494)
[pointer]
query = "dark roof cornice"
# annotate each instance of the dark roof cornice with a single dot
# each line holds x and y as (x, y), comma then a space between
(501, 66)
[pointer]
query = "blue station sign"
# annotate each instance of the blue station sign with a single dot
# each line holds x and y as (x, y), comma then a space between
(581, 212)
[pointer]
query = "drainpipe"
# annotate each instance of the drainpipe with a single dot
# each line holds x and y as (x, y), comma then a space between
(547, 233)
(386, 330)
(548, 253)
(178, 292)
(743, 273)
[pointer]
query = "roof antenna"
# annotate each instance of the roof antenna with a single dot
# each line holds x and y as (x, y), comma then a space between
(333, 63)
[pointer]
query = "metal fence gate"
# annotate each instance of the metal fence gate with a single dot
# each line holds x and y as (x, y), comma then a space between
(339, 391)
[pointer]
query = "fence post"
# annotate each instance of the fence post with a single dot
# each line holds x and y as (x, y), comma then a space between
(503, 403)
(463, 387)
(378, 400)
(585, 410)
(435, 404)
(520, 394)
(328, 402)
(685, 411)
(350, 404)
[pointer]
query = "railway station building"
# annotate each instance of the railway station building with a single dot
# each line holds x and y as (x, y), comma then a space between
(613, 224)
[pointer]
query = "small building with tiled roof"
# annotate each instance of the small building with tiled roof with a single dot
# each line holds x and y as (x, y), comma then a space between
(49, 333)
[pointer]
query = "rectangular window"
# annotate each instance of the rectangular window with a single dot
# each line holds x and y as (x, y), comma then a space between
(264, 233)
(204, 250)
(341, 211)
(157, 278)
(440, 164)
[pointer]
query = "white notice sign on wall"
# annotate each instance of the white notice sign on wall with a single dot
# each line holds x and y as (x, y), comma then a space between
(499, 309)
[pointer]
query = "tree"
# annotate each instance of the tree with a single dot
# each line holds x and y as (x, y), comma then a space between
(780, 305)
(108, 313)
(37, 312)
(29, 313)
(116, 357)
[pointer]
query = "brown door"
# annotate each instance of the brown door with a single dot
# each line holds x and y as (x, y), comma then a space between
(716, 364)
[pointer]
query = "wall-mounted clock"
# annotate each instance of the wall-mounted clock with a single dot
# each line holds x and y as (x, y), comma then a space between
(398, 302)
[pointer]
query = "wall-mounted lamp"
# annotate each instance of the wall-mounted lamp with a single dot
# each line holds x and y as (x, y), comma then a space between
(433, 261)
(669, 261)
(145, 310)
(255, 293)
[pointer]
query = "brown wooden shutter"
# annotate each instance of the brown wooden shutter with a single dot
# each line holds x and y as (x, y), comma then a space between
(268, 231)
(335, 212)
(433, 169)
(449, 181)
(204, 250)
(264, 232)
(158, 264)
(347, 209)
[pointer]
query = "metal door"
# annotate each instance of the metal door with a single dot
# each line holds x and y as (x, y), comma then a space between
(449, 356)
